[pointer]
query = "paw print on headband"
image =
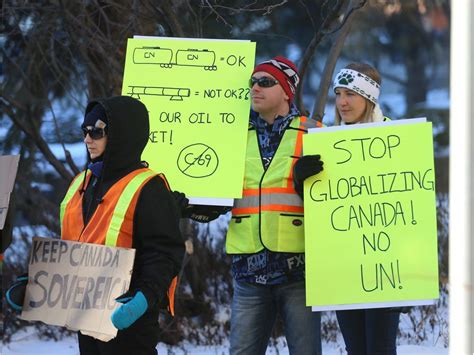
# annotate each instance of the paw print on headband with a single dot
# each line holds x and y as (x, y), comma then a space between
(345, 78)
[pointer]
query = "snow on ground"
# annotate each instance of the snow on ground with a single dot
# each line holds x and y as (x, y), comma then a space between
(26, 342)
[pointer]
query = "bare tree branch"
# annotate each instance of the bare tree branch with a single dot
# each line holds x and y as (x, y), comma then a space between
(325, 83)
(219, 17)
(38, 140)
(266, 10)
(359, 4)
(331, 17)
(67, 153)
(171, 19)
(310, 51)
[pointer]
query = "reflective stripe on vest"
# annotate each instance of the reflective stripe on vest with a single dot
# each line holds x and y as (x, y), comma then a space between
(112, 218)
(270, 213)
(285, 202)
(73, 187)
(278, 198)
(123, 204)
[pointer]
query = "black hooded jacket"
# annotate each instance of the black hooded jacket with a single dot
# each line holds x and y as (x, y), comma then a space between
(156, 236)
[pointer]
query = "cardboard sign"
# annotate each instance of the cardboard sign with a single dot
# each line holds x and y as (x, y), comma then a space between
(370, 217)
(198, 98)
(74, 285)
(8, 169)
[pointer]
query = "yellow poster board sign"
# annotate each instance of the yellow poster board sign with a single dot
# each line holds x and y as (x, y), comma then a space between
(370, 217)
(198, 98)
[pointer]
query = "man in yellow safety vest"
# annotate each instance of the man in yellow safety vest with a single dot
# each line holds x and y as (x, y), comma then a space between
(266, 235)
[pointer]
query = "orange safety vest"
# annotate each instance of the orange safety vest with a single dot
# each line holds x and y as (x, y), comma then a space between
(112, 222)
(270, 213)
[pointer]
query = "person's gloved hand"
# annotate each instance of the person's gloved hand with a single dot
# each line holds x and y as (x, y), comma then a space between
(16, 293)
(307, 166)
(204, 214)
(131, 309)
(181, 201)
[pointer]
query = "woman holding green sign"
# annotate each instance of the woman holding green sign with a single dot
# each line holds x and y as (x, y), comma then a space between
(357, 88)
(365, 331)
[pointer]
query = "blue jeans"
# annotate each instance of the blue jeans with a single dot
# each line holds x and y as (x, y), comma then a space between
(369, 331)
(254, 311)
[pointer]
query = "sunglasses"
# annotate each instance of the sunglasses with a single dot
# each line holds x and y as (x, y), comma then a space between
(263, 82)
(94, 133)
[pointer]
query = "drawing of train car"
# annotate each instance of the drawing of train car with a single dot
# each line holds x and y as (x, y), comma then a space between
(196, 58)
(153, 55)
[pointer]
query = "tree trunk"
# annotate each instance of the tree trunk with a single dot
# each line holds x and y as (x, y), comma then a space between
(321, 97)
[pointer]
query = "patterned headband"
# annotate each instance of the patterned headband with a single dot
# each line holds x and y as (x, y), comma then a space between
(358, 82)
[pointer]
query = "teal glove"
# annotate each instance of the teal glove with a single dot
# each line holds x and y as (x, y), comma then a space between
(16, 293)
(132, 309)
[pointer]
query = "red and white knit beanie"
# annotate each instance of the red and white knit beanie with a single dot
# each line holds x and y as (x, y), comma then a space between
(283, 70)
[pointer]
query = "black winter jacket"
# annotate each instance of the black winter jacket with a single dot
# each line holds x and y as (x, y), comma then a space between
(156, 236)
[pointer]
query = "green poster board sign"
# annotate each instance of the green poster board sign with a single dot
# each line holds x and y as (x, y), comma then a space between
(370, 217)
(198, 98)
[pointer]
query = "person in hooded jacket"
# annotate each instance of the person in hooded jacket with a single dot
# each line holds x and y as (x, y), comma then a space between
(116, 131)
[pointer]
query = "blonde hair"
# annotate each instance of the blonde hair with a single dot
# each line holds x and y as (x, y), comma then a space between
(371, 72)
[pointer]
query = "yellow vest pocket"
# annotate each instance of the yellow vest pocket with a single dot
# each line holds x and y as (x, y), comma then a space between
(291, 232)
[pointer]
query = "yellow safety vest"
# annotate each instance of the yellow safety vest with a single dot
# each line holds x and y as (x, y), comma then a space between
(270, 213)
